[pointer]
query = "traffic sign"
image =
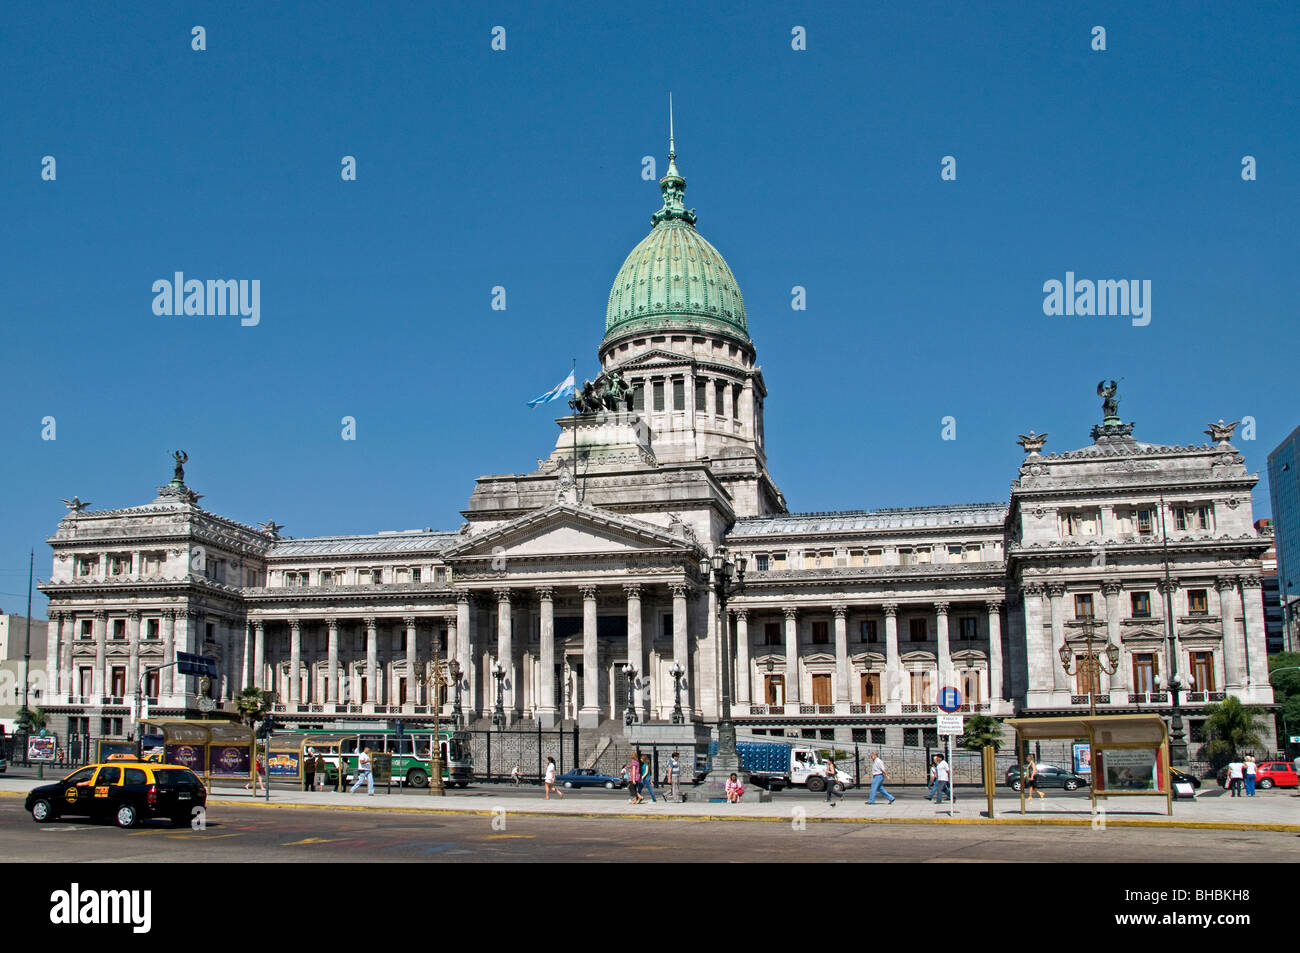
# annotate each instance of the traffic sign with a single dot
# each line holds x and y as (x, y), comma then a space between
(950, 724)
(189, 664)
(949, 700)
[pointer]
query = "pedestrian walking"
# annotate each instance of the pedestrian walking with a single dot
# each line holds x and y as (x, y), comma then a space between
(647, 784)
(934, 781)
(548, 782)
(364, 773)
(309, 770)
(1236, 775)
(735, 790)
(878, 778)
(322, 772)
(942, 779)
(832, 779)
(674, 778)
(1031, 780)
(634, 780)
(1250, 770)
(261, 777)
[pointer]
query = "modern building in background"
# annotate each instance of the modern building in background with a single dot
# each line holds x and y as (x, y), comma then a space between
(1274, 619)
(562, 578)
(1284, 493)
(14, 670)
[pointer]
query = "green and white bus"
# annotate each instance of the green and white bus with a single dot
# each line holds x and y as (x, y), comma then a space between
(410, 752)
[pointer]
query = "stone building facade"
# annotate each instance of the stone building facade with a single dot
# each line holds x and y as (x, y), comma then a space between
(848, 625)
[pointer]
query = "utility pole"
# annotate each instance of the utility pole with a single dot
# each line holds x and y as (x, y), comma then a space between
(26, 724)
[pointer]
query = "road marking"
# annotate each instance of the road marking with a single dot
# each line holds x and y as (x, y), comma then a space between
(61, 830)
(510, 837)
(310, 840)
(204, 836)
(647, 847)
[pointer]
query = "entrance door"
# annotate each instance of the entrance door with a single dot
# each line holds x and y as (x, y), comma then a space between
(774, 689)
(871, 688)
(821, 690)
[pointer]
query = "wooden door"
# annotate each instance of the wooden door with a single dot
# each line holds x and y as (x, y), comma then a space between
(774, 689)
(821, 689)
(870, 683)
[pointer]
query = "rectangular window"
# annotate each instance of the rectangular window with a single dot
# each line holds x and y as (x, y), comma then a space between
(1197, 602)
(440, 575)
(821, 634)
(658, 395)
(873, 557)
(402, 575)
(1193, 518)
(857, 558)
(760, 563)
(1202, 672)
(920, 686)
(701, 396)
(87, 629)
(638, 398)
(967, 627)
(774, 689)
(377, 577)
(1146, 522)
(930, 737)
(922, 555)
(86, 566)
(326, 577)
(870, 686)
(917, 628)
(119, 628)
(719, 400)
(954, 554)
(821, 690)
(1083, 606)
(151, 683)
(859, 735)
(151, 628)
(415, 574)
(877, 736)
(1141, 604)
(778, 561)
(117, 681)
(869, 633)
(911, 737)
(1144, 672)
(772, 633)
(679, 394)
(1087, 678)
(667, 629)
(736, 396)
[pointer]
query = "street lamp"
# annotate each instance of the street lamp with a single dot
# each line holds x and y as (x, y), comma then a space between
(726, 576)
(435, 677)
(629, 716)
(676, 671)
(1177, 741)
(1093, 659)
(499, 712)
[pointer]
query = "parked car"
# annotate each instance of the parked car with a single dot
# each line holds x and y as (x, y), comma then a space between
(1049, 776)
(126, 792)
(1280, 774)
(588, 778)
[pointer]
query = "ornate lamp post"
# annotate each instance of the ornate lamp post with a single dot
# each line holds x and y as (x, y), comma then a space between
(677, 672)
(1177, 740)
(726, 577)
(457, 719)
(435, 677)
(499, 711)
(1093, 659)
(629, 716)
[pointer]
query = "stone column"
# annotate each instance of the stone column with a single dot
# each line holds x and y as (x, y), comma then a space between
(133, 660)
(1233, 645)
(1169, 618)
(245, 658)
(505, 650)
(995, 652)
(841, 658)
(52, 633)
(589, 716)
(332, 691)
(681, 644)
(1060, 680)
(295, 661)
(67, 677)
(453, 652)
(412, 685)
(636, 649)
(259, 652)
(1256, 643)
(893, 662)
(944, 649)
(166, 683)
(373, 681)
(101, 647)
(744, 678)
(547, 713)
(791, 655)
(1118, 683)
(465, 645)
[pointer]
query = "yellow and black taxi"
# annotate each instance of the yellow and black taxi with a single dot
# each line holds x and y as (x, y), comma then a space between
(124, 791)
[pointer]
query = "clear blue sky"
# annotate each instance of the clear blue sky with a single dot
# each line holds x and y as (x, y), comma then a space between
(522, 169)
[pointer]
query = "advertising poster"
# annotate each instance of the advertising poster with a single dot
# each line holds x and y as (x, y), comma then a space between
(1129, 769)
(189, 755)
(41, 748)
(1083, 758)
(228, 761)
(283, 765)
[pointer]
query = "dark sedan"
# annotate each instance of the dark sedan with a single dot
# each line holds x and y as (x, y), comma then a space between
(1049, 776)
(125, 793)
(588, 778)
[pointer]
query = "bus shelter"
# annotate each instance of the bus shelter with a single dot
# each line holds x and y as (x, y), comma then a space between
(1128, 755)
(222, 750)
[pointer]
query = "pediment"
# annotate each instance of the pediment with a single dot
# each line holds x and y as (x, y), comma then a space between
(567, 529)
(917, 656)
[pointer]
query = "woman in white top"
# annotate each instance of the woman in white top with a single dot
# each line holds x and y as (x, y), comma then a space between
(548, 783)
(1250, 769)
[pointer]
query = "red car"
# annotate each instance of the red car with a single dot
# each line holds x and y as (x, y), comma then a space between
(1279, 773)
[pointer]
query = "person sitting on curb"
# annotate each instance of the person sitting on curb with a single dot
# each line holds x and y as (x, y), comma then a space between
(735, 790)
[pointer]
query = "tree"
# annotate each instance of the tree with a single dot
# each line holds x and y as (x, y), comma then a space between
(1232, 730)
(1286, 692)
(33, 719)
(252, 704)
(981, 730)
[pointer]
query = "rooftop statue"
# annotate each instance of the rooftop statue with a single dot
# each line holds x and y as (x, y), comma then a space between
(1110, 403)
(1221, 433)
(181, 458)
(1033, 442)
(75, 504)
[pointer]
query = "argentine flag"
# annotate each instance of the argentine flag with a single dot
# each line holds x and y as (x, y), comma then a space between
(559, 391)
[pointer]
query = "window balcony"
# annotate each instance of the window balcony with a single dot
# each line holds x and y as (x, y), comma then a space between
(1101, 699)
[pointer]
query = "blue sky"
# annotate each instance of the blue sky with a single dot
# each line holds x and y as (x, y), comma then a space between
(521, 168)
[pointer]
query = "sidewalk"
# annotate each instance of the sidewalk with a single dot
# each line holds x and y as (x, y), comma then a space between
(1270, 811)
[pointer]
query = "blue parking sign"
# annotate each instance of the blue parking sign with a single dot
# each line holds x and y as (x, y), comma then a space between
(949, 699)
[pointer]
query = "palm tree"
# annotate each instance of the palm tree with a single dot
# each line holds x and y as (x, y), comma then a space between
(1232, 730)
(252, 704)
(981, 731)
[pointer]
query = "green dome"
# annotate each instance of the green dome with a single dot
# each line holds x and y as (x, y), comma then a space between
(674, 279)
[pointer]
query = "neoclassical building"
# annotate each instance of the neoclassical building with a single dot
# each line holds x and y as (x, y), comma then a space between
(848, 625)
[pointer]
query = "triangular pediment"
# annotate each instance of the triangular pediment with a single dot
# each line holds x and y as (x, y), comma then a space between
(567, 529)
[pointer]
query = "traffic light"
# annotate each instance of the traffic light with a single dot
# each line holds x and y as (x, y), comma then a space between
(268, 726)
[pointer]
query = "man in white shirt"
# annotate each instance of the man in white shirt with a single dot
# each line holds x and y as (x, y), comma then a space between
(942, 779)
(878, 778)
(1236, 774)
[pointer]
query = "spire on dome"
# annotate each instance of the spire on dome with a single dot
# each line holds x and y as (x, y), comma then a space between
(672, 185)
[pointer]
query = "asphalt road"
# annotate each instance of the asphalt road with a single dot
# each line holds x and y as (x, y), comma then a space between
(252, 834)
